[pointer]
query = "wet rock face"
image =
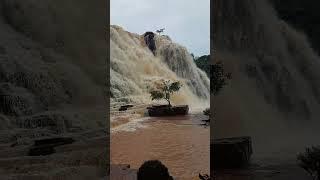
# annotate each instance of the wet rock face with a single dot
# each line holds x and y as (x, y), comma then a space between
(231, 152)
(52, 121)
(303, 15)
(46, 146)
(17, 101)
(149, 40)
(166, 110)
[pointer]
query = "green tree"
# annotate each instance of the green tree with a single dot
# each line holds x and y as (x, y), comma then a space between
(203, 62)
(218, 78)
(165, 91)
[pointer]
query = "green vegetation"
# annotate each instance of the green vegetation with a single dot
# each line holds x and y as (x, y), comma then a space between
(207, 112)
(203, 63)
(165, 91)
(310, 161)
(218, 78)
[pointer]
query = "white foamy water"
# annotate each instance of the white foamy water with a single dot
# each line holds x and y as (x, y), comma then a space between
(131, 125)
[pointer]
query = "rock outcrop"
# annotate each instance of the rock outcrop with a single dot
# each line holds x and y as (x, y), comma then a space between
(231, 152)
(166, 110)
(150, 42)
(302, 15)
(47, 146)
(135, 69)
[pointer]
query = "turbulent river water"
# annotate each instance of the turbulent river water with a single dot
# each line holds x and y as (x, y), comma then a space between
(181, 143)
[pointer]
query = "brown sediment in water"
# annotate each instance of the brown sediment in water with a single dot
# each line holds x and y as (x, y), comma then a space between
(119, 121)
(179, 142)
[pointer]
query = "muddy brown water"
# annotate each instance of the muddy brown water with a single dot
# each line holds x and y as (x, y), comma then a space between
(181, 143)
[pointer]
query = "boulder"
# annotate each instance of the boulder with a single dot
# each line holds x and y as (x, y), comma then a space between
(125, 107)
(46, 146)
(150, 42)
(55, 121)
(41, 151)
(231, 152)
(53, 141)
(166, 110)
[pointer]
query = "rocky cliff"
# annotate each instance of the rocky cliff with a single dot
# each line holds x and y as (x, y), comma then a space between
(135, 68)
(303, 15)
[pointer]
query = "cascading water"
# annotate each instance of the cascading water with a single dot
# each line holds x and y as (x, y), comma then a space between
(274, 93)
(134, 69)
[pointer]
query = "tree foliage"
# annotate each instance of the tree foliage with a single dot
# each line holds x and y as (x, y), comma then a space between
(207, 112)
(310, 161)
(165, 91)
(218, 78)
(203, 63)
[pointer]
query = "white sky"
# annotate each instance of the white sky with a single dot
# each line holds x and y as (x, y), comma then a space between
(187, 22)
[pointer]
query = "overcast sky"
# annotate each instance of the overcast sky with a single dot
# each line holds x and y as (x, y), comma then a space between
(187, 22)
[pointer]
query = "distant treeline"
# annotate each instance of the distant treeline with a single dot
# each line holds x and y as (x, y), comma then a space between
(203, 63)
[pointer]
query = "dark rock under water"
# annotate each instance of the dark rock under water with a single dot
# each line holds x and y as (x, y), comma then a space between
(149, 40)
(166, 110)
(231, 152)
(46, 146)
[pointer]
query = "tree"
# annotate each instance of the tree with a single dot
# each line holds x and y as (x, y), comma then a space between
(310, 161)
(165, 91)
(203, 62)
(160, 31)
(218, 78)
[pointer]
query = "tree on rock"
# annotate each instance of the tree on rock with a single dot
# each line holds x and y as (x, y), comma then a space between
(165, 90)
(159, 31)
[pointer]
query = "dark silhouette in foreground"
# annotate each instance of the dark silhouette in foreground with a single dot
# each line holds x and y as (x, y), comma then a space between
(310, 161)
(154, 170)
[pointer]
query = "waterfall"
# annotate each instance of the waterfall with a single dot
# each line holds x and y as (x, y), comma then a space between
(274, 93)
(134, 68)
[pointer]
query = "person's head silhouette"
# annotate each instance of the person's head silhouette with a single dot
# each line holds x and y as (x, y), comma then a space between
(153, 170)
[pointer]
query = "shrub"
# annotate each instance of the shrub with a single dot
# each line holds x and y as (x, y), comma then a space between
(165, 91)
(310, 161)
